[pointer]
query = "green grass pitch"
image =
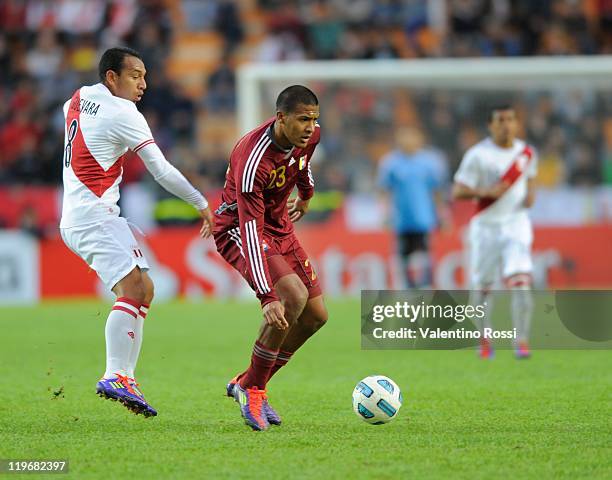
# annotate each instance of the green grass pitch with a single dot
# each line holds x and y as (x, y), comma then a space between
(548, 417)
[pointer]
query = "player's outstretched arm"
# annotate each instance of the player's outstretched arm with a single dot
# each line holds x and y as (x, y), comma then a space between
(130, 129)
(530, 197)
(168, 176)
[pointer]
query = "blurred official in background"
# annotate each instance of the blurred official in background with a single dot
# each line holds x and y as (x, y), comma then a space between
(413, 176)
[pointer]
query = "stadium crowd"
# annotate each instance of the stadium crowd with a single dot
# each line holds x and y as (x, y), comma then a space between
(50, 48)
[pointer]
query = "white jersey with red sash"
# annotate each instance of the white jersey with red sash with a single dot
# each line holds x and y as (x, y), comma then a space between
(486, 164)
(100, 128)
(500, 233)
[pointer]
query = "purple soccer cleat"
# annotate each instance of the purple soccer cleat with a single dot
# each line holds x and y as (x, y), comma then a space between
(270, 413)
(251, 406)
(229, 388)
(150, 412)
(522, 351)
(119, 389)
(273, 417)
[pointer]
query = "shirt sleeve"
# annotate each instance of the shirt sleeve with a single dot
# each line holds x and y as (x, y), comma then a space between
(467, 173)
(130, 129)
(251, 177)
(532, 169)
(305, 180)
(168, 176)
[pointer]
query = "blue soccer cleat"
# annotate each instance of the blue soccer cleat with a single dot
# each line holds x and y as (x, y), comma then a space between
(251, 406)
(119, 389)
(273, 417)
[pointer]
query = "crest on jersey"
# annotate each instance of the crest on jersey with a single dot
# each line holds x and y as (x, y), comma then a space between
(302, 163)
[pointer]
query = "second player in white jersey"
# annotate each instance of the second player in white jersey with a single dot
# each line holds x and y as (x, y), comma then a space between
(487, 164)
(500, 232)
(498, 173)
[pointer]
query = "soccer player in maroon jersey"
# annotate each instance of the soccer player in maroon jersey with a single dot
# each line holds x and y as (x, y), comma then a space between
(254, 233)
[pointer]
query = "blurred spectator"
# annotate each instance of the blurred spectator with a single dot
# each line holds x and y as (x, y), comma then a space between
(467, 16)
(325, 30)
(280, 46)
(228, 24)
(12, 16)
(199, 15)
(80, 16)
(18, 140)
(151, 46)
(391, 12)
(379, 47)
(83, 58)
(44, 59)
(221, 88)
(29, 223)
(584, 170)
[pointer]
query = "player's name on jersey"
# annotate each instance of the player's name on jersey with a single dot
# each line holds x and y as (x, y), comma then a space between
(84, 106)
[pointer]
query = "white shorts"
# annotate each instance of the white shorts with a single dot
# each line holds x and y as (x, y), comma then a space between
(109, 248)
(498, 251)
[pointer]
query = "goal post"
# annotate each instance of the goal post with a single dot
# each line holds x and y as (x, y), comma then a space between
(509, 74)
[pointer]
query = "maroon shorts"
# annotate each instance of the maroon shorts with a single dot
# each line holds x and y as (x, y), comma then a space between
(284, 255)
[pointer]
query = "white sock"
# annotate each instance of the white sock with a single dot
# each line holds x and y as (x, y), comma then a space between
(138, 331)
(522, 309)
(120, 335)
(480, 297)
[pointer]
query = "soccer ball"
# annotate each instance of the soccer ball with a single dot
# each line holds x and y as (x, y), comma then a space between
(377, 399)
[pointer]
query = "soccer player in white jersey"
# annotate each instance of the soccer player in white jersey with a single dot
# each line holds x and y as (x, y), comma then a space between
(498, 173)
(102, 123)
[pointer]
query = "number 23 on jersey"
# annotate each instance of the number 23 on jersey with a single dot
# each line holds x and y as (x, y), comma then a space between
(277, 177)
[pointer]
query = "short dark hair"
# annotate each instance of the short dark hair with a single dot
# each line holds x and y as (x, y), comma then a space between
(498, 108)
(293, 96)
(112, 59)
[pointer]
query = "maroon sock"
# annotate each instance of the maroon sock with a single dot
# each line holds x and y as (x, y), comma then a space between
(281, 360)
(262, 361)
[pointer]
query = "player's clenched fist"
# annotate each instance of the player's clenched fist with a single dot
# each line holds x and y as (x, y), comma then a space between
(274, 315)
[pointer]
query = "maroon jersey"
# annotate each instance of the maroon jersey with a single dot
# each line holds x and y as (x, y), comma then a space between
(260, 177)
